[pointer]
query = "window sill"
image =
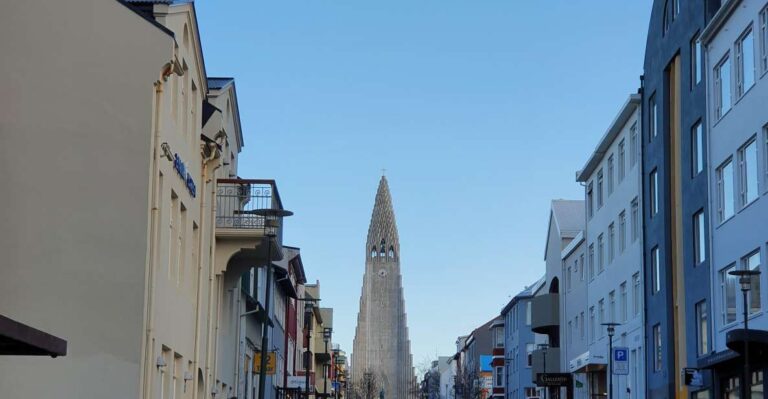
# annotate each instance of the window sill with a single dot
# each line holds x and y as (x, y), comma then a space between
(725, 221)
(747, 205)
(743, 94)
(717, 121)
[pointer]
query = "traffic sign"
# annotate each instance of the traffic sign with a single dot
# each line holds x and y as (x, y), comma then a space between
(271, 363)
(620, 361)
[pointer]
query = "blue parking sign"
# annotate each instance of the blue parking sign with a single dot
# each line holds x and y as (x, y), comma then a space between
(620, 360)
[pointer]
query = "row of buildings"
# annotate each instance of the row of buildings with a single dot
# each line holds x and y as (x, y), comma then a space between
(133, 252)
(674, 202)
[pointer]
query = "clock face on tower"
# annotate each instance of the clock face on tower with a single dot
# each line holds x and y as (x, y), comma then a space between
(382, 273)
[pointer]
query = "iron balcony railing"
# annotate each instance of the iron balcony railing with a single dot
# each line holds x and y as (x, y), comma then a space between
(237, 201)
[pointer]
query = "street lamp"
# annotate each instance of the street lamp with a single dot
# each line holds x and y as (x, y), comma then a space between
(309, 307)
(272, 219)
(326, 338)
(611, 330)
(543, 348)
(745, 280)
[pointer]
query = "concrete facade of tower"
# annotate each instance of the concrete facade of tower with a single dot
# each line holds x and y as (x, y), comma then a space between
(381, 344)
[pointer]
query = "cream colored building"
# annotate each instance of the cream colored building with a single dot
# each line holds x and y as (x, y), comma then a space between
(118, 233)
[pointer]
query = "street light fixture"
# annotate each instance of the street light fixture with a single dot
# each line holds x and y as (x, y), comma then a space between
(745, 280)
(272, 219)
(611, 326)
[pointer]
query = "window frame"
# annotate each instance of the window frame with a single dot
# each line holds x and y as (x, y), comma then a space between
(621, 160)
(720, 103)
(756, 281)
(699, 237)
(763, 19)
(658, 360)
(698, 154)
(696, 64)
(653, 181)
(622, 231)
(609, 179)
(722, 190)
(727, 318)
(653, 118)
(744, 182)
(655, 270)
(741, 68)
(702, 328)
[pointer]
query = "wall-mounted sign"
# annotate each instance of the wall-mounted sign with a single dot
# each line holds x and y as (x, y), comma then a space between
(553, 379)
(181, 170)
(271, 363)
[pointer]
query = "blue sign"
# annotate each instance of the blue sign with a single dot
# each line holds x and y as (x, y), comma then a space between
(181, 170)
(620, 361)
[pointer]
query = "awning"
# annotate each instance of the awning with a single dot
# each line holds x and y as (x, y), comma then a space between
(17, 339)
(757, 339)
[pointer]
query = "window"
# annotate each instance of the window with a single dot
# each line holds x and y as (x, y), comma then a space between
(531, 392)
(728, 293)
(764, 39)
(622, 161)
(697, 149)
(528, 313)
(591, 261)
(601, 314)
(610, 174)
(635, 222)
(529, 350)
(633, 147)
(695, 60)
(569, 332)
(581, 325)
(636, 294)
(568, 279)
(590, 203)
(583, 267)
(699, 238)
(623, 303)
(655, 270)
(599, 188)
(748, 172)
(654, 184)
(745, 63)
(702, 327)
(499, 380)
(657, 348)
(600, 254)
(752, 262)
(722, 87)
(703, 394)
(652, 117)
(611, 242)
(757, 384)
(725, 190)
(612, 306)
(592, 323)
(765, 153)
(622, 231)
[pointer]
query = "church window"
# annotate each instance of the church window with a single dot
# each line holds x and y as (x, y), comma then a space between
(383, 250)
(391, 253)
(373, 252)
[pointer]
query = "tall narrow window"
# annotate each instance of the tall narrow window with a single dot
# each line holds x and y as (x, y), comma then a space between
(611, 242)
(568, 279)
(634, 148)
(654, 194)
(622, 231)
(725, 190)
(699, 238)
(728, 294)
(610, 174)
(722, 87)
(653, 120)
(745, 63)
(590, 201)
(612, 306)
(623, 303)
(181, 245)
(581, 325)
(599, 188)
(636, 294)
(600, 254)
(583, 267)
(173, 233)
(591, 261)
(622, 161)
(702, 327)
(752, 262)
(657, 351)
(592, 323)
(601, 315)
(764, 39)
(635, 222)
(697, 146)
(656, 270)
(695, 60)
(748, 172)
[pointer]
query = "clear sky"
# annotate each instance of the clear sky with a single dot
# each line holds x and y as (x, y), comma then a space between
(480, 111)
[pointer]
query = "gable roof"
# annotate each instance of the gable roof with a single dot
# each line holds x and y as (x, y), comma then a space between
(568, 218)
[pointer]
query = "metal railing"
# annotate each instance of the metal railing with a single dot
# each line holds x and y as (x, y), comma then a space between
(238, 199)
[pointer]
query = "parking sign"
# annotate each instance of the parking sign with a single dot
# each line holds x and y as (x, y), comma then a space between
(620, 358)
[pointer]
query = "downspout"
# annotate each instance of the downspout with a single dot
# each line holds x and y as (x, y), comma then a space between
(213, 329)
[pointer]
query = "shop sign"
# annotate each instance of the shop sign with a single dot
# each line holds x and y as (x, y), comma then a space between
(181, 170)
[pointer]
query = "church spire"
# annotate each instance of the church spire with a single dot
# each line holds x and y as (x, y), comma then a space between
(383, 228)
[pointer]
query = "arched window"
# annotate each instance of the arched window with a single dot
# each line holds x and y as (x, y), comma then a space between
(391, 252)
(373, 252)
(383, 250)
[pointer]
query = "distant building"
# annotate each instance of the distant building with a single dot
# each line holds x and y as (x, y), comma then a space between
(519, 344)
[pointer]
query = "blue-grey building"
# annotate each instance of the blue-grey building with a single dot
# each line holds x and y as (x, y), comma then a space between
(573, 312)
(611, 179)
(735, 44)
(519, 344)
(674, 107)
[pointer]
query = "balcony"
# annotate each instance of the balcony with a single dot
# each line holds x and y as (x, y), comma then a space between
(552, 361)
(545, 314)
(244, 236)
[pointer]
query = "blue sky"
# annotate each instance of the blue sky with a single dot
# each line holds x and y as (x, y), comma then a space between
(480, 111)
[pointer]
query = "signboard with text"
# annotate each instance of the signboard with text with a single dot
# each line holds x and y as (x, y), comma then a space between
(271, 363)
(620, 360)
(553, 379)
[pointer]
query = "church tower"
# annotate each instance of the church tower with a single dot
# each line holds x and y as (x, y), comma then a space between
(381, 345)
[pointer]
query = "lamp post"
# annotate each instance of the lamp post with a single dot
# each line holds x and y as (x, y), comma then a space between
(309, 306)
(326, 338)
(543, 348)
(272, 219)
(611, 330)
(745, 280)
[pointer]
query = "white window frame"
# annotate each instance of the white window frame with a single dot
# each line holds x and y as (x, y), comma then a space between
(653, 118)
(654, 194)
(622, 231)
(721, 105)
(699, 237)
(702, 328)
(742, 70)
(745, 191)
(698, 156)
(633, 145)
(609, 182)
(695, 60)
(723, 212)
(655, 270)
(635, 219)
(637, 293)
(622, 161)
(764, 39)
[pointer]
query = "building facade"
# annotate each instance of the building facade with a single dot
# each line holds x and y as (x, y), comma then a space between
(611, 178)
(673, 90)
(736, 162)
(519, 343)
(574, 344)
